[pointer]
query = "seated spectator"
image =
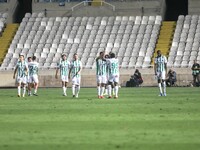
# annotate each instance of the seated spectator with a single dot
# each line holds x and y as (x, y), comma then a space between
(135, 80)
(171, 78)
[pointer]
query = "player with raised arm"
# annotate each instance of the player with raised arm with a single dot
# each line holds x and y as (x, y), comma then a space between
(33, 67)
(101, 74)
(113, 70)
(63, 66)
(160, 69)
(22, 70)
(75, 72)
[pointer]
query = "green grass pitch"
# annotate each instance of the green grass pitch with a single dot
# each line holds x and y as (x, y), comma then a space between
(138, 120)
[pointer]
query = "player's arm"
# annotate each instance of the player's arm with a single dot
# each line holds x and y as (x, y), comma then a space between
(70, 70)
(155, 66)
(15, 72)
(165, 65)
(56, 75)
(80, 69)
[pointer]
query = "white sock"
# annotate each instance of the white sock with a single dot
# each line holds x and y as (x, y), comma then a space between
(19, 90)
(102, 90)
(160, 87)
(106, 90)
(77, 89)
(113, 91)
(73, 89)
(116, 89)
(24, 90)
(98, 90)
(109, 90)
(35, 91)
(64, 90)
(164, 87)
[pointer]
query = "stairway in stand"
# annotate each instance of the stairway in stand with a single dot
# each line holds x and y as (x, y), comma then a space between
(6, 39)
(165, 38)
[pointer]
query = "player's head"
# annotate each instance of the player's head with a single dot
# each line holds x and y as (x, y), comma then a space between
(64, 57)
(159, 53)
(107, 56)
(34, 58)
(21, 57)
(29, 59)
(75, 56)
(101, 54)
(195, 61)
(137, 70)
(112, 55)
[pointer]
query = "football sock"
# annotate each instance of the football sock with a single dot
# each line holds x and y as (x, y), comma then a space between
(109, 90)
(64, 90)
(35, 91)
(116, 89)
(102, 90)
(164, 87)
(99, 90)
(19, 90)
(24, 90)
(160, 87)
(73, 89)
(77, 89)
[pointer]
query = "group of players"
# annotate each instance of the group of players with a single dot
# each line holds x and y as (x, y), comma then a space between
(26, 73)
(107, 74)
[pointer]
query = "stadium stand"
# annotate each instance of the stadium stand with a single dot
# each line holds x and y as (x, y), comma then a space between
(3, 17)
(185, 45)
(132, 38)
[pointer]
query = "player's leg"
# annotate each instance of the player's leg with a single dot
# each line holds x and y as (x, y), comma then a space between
(19, 87)
(75, 87)
(164, 84)
(110, 85)
(66, 86)
(98, 87)
(116, 86)
(30, 85)
(24, 82)
(159, 83)
(63, 88)
(29, 88)
(36, 83)
(78, 83)
(63, 85)
(106, 89)
(102, 90)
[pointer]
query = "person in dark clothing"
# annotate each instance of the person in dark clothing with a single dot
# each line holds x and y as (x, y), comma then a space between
(171, 78)
(195, 73)
(135, 80)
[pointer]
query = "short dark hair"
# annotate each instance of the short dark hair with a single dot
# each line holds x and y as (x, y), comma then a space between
(112, 55)
(34, 58)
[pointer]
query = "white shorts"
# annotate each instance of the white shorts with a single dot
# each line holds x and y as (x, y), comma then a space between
(76, 80)
(114, 78)
(102, 79)
(161, 75)
(64, 78)
(33, 79)
(21, 80)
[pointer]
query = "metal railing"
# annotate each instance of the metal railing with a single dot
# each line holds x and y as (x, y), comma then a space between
(85, 3)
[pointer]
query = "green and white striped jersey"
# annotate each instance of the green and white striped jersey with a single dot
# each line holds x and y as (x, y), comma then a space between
(160, 61)
(64, 67)
(113, 66)
(101, 67)
(76, 65)
(21, 71)
(33, 68)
